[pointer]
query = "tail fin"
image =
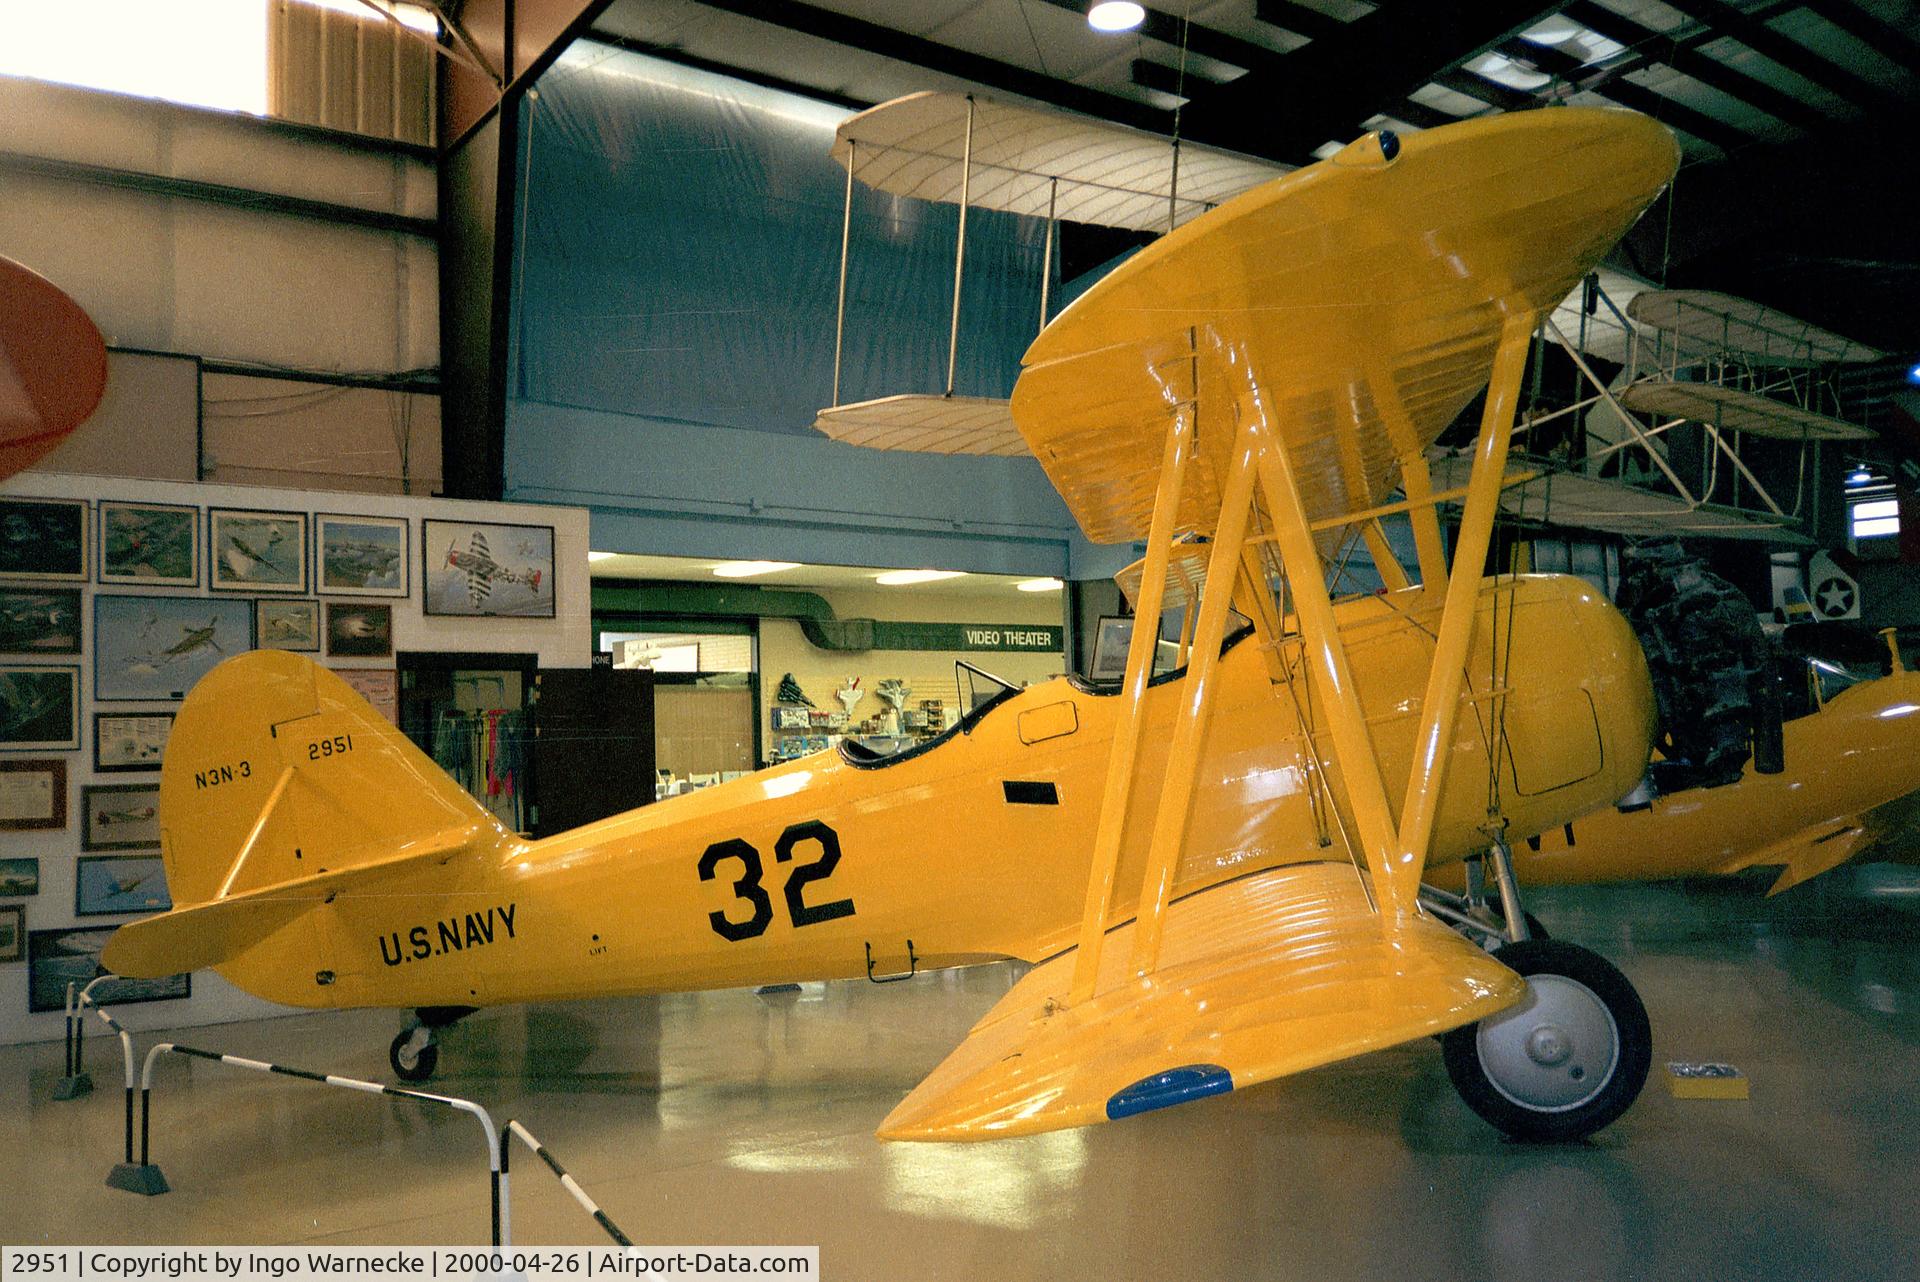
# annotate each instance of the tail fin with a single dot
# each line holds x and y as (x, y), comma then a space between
(279, 782)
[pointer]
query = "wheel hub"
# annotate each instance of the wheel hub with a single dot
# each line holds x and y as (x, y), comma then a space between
(409, 1051)
(1548, 1046)
(1554, 1050)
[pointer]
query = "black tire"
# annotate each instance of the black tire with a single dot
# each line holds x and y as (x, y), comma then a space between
(1548, 1099)
(412, 1068)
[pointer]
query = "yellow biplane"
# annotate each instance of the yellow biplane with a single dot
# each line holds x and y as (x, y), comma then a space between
(1217, 872)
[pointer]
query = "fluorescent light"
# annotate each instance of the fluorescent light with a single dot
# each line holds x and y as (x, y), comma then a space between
(1115, 15)
(601, 556)
(901, 578)
(747, 569)
(1860, 477)
(1040, 585)
(1505, 71)
(1554, 31)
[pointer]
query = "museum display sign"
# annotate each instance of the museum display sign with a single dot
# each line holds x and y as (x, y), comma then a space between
(33, 793)
(124, 741)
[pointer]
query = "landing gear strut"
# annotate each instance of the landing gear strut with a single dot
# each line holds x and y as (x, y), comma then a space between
(415, 1053)
(1567, 1059)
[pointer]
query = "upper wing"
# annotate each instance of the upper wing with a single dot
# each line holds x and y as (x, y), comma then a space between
(1367, 295)
(1277, 972)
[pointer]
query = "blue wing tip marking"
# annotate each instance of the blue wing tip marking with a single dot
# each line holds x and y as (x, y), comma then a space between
(1163, 1090)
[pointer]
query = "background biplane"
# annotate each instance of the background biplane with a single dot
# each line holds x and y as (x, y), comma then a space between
(1217, 872)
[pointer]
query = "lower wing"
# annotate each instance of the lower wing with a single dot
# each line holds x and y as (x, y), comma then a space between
(1274, 973)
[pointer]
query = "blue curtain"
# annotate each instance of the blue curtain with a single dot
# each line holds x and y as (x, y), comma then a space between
(680, 257)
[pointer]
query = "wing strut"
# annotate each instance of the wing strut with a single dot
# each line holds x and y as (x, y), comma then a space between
(1394, 842)
(1141, 650)
(1441, 705)
(1175, 811)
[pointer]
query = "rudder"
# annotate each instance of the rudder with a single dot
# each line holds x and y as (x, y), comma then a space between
(277, 771)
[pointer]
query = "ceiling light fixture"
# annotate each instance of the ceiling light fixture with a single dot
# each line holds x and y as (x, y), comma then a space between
(903, 578)
(1115, 15)
(747, 569)
(1040, 585)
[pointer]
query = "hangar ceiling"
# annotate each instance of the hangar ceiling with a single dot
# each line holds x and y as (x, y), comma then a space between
(1794, 114)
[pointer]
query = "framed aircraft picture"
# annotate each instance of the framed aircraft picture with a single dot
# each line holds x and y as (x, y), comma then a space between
(13, 932)
(39, 708)
(361, 555)
(35, 620)
(119, 816)
(287, 625)
(43, 539)
(19, 878)
(56, 958)
(152, 544)
(478, 569)
(108, 884)
(124, 741)
(33, 793)
(149, 648)
(256, 551)
(359, 630)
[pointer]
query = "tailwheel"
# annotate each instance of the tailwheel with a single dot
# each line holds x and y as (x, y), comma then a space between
(415, 1053)
(1567, 1059)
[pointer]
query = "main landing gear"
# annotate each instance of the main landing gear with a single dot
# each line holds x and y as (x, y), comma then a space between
(415, 1053)
(1572, 1055)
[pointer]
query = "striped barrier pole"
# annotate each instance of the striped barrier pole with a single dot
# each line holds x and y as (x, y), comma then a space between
(567, 1181)
(495, 1167)
(82, 1003)
(74, 1082)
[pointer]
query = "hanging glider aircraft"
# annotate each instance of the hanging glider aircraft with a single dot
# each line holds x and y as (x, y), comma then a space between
(1217, 872)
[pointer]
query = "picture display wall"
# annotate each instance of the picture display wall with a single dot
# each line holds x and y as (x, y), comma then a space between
(113, 605)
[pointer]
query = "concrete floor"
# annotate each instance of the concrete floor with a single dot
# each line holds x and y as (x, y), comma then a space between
(732, 1118)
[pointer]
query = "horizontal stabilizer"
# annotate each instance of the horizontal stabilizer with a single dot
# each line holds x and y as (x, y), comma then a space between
(1274, 973)
(200, 935)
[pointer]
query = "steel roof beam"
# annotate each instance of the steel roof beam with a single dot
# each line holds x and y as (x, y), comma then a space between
(1350, 74)
(1754, 33)
(1892, 43)
(1680, 54)
(871, 37)
(1612, 83)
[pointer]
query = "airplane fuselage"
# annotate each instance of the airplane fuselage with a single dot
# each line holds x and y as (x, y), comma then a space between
(977, 848)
